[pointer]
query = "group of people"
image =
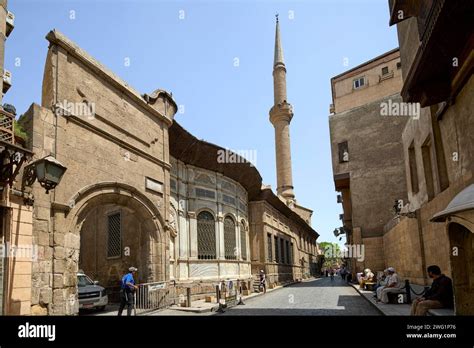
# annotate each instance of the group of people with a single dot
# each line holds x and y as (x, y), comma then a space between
(439, 295)
(389, 283)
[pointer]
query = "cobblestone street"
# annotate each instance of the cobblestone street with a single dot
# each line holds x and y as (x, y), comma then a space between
(318, 297)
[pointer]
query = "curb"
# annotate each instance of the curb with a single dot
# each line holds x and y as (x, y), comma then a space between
(195, 310)
(365, 298)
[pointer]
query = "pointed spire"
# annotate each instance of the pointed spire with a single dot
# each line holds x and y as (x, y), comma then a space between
(278, 48)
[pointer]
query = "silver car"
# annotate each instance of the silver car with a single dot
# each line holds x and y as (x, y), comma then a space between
(91, 294)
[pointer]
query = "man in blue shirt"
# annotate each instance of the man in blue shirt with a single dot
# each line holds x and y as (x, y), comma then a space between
(127, 291)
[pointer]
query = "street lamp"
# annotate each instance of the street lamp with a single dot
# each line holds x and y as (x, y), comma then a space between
(47, 170)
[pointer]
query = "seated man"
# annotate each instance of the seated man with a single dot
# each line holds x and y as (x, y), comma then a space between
(393, 285)
(368, 277)
(440, 295)
(382, 278)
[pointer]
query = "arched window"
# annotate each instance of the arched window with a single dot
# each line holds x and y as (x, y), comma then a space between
(243, 241)
(229, 239)
(206, 235)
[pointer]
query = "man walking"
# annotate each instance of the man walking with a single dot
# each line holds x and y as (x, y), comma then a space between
(263, 279)
(440, 295)
(127, 291)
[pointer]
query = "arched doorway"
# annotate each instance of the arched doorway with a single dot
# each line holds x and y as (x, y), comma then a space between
(462, 267)
(119, 227)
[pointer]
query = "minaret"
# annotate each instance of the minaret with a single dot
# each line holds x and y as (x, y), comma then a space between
(280, 116)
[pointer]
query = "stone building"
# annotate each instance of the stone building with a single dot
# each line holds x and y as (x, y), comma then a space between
(437, 223)
(367, 156)
(140, 190)
(16, 246)
(112, 207)
(431, 162)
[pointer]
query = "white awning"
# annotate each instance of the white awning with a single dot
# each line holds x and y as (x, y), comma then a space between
(464, 200)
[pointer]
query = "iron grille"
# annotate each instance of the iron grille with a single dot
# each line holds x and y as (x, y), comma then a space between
(229, 239)
(206, 229)
(277, 254)
(228, 199)
(269, 247)
(173, 184)
(291, 253)
(114, 246)
(243, 242)
(282, 251)
(205, 193)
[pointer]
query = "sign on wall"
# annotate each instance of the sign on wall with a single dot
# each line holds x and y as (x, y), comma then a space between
(153, 185)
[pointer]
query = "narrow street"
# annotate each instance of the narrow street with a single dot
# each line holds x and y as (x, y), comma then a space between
(318, 297)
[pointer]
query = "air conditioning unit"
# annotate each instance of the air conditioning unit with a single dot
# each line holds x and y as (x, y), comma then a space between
(339, 199)
(7, 80)
(341, 217)
(10, 23)
(332, 109)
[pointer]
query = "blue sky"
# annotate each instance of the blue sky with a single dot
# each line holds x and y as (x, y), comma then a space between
(195, 58)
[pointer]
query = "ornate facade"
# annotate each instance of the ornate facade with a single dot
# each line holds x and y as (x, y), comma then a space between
(140, 190)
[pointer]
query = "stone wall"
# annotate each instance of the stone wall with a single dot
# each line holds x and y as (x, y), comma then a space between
(18, 267)
(402, 250)
(373, 253)
(111, 155)
(375, 159)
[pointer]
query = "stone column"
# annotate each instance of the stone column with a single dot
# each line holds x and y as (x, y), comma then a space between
(238, 246)
(193, 250)
(183, 233)
(220, 237)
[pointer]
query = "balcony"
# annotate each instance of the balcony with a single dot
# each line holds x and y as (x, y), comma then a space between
(444, 60)
(12, 156)
(7, 126)
(10, 20)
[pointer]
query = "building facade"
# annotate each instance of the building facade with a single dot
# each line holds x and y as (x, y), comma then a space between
(427, 173)
(16, 218)
(210, 212)
(438, 148)
(367, 156)
(112, 207)
(140, 190)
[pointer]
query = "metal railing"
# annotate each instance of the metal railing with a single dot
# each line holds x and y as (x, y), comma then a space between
(153, 296)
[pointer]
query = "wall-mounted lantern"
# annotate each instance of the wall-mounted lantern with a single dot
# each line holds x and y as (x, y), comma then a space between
(48, 171)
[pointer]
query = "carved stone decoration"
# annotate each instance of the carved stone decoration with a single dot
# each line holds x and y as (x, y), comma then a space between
(173, 225)
(204, 179)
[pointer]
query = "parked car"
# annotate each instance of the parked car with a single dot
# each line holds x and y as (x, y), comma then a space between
(91, 294)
